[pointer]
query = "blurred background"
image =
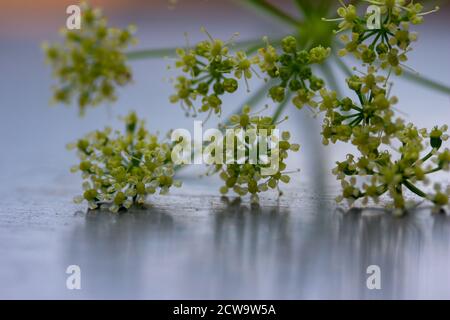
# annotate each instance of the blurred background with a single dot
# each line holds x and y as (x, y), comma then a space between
(193, 244)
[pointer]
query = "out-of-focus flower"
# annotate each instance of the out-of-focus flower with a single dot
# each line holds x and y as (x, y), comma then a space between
(90, 63)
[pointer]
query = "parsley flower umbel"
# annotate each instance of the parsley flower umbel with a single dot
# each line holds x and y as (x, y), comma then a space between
(122, 169)
(366, 122)
(244, 176)
(90, 64)
(210, 71)
(387, 44)
(371, 175)
(391, 159)
(370, 123)
(293, 68)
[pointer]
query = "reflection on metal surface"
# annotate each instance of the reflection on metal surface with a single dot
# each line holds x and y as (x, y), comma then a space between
(238, 251)
(199, 246)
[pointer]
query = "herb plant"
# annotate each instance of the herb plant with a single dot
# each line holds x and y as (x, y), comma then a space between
(390, 157)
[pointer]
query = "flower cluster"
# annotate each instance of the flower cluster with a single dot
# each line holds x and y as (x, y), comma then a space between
(211, 71)
(122, 169)
(369, 122)
(214, 71)
(244, 176)
(293, 68)
(90, 64)
(366, 122)
(384, 174)
(388, 42)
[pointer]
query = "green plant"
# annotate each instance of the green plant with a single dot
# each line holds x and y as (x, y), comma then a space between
(309, 29)
(370, 122)
(91, 63)
(210, 73)
(389, 43)
(382, 173)
(120, 170)
(367, 120)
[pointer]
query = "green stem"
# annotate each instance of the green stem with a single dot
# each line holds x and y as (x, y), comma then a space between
(367, 36)
(330, 77)
(428, 156)
(257, 96)
(278, 112)
(343, 66)
(149, 53)
(162, 52)
(351, 116)
(355, 107)
(361, 98)
(356, 121)
(270, 9)
(251, 101)
(374, 42)
(433, 170)
(414, 189)
(382, 189)
(429, 83)
(201, 78)
(386, 40)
